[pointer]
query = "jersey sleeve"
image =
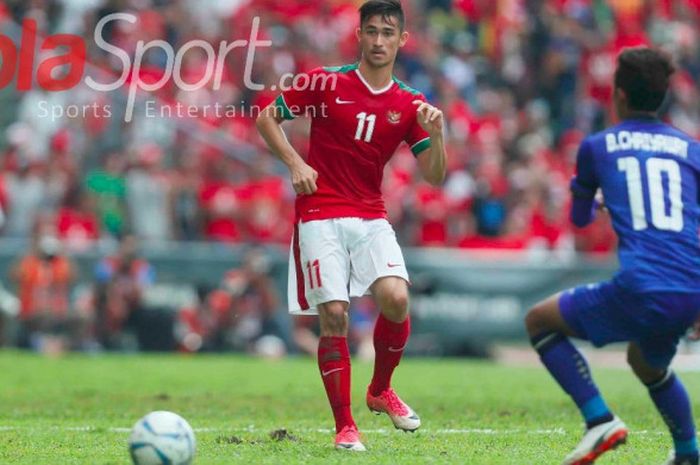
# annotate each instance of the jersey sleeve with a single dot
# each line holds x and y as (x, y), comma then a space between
(585, 183)
(295, 102)
(417, 138)
(583, 187)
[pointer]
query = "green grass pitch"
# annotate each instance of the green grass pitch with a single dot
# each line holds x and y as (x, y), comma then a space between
(77, 411)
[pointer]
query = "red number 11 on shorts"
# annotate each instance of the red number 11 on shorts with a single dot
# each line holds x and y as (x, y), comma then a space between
(314, 268)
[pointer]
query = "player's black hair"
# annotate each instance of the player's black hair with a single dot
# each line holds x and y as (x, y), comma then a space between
(644, 74)
(384, 8)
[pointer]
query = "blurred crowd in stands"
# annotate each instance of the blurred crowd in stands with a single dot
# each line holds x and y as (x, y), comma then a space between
(117, 305)
(521, 82)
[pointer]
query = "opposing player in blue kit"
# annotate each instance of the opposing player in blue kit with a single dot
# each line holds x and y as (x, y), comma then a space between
(648, 173)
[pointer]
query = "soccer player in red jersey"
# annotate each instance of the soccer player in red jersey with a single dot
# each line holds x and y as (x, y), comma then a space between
(343, 245)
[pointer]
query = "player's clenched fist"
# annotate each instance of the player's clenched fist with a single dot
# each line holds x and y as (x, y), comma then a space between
(303, 178)
(429, 117)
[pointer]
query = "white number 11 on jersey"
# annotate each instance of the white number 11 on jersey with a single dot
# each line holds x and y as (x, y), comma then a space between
(362, 119)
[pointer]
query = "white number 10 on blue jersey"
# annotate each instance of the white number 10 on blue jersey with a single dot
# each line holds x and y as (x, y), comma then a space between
(656, 168)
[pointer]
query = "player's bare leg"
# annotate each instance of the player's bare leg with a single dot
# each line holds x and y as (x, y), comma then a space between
(334, 365)
(644, 372)
(672, 402)
(545, 317)
(390, 337)
(550, 333)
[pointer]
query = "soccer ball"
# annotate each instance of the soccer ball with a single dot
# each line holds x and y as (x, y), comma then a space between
(162, 438)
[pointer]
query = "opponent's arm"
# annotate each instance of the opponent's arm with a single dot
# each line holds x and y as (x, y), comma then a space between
(269, 126)
(431, 161)
(583, 211)
(583, 188)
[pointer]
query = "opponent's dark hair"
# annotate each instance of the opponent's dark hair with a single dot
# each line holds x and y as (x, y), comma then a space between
(384, 8)
(644, 75)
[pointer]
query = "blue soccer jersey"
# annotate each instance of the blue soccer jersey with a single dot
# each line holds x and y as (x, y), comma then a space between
(648, 173)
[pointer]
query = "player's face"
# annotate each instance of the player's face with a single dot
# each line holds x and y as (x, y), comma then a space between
(380, 39)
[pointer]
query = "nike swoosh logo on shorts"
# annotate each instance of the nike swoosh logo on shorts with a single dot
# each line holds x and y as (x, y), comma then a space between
(393, 265)
(326, 373)
(392, 349)
(343, 102)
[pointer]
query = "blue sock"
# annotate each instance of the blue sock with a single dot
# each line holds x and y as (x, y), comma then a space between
(569, 368)
(671, 400)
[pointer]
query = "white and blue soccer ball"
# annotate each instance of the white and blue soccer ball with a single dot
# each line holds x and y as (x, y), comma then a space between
(162, 438)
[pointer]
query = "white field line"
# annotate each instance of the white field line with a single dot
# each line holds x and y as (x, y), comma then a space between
(252, 429)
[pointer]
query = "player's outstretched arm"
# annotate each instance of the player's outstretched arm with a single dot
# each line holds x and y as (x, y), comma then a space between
(431, 161)
(303, 176)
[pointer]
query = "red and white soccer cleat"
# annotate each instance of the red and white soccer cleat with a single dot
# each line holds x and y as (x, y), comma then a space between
(403, 416)
(349, 439)
(597, 441)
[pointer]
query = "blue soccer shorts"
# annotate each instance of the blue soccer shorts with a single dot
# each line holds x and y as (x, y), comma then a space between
(604, 313)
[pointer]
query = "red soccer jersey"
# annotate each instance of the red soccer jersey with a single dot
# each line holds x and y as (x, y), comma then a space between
(355, 130)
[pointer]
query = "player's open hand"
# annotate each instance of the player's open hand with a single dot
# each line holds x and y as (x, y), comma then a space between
(429, 118)
(304, 179)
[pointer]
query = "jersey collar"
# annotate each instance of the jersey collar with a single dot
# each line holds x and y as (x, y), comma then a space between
(370, 88)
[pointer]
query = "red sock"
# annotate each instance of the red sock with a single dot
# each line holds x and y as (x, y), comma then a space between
(334, 364)
(389, 342)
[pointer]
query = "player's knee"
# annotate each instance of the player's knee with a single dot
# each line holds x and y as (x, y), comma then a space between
(645, 372)
(333, 319)
(398, 300)
(394, 305)
(535, 321)
(633, 362)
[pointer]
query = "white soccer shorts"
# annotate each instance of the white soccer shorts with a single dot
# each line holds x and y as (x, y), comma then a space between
(339, 258)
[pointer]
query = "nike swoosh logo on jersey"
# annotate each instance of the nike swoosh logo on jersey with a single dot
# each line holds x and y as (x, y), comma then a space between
(343, 102)
(393, 265)
(392, 349)
(326, 373)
